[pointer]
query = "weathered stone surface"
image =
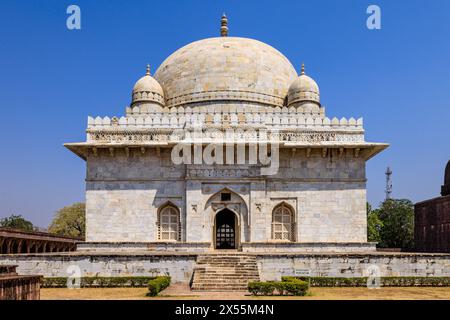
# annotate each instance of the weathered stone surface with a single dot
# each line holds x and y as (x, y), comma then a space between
(124, 194)
(180, 266)
(272, 267)
(432, 220)
(432, 225)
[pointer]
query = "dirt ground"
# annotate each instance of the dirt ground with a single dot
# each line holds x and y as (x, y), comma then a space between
(183, 293)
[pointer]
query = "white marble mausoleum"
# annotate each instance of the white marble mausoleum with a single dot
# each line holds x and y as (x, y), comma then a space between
(226, 146)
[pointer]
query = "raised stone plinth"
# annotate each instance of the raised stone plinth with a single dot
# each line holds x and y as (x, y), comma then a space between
(143, 247)
(296, 247)
(180, 266)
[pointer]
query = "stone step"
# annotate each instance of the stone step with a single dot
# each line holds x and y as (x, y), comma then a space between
(223, 282)
(218, 275)
(227, 275)
(226, 259)
(207, 282)
(218, 279)
(208, 288)
(231, 263)
(220, 286)
(214, 267)
(227, 255)
(224, 272)
(246, 273)
(254, 274)
(225, 263)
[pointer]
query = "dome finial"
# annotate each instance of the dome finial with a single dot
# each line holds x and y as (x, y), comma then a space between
(303, 68)
(224, 26)
(147, 73)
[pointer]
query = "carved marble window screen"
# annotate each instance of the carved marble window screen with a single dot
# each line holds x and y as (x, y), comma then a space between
(169, 224)
(283, 225)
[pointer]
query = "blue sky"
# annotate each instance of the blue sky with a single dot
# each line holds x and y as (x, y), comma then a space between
(51, 79)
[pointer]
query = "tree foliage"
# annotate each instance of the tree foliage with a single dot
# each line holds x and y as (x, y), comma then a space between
(397, 217)
(70, 221)
(374, 225)
(16, 222)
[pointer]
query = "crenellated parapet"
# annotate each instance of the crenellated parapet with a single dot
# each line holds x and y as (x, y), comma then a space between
(187, 120)
(175, 127)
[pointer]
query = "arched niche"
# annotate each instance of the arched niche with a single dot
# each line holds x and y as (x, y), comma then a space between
(233, 202)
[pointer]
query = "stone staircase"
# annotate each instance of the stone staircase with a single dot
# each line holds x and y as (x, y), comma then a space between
(224, 272)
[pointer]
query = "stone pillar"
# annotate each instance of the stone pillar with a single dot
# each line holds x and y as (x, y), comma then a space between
(194, 213)
(260, 213)
(9, 243)
(19, 246)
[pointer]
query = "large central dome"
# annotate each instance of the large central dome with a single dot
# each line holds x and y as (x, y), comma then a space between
(226, 68)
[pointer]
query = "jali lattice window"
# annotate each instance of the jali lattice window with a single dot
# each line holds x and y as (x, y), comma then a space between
(283, 225)
(169, 224)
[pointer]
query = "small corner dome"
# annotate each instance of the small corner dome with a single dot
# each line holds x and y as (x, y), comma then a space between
(447, 175)
(303, 89)
(445, 189)
(147, 89)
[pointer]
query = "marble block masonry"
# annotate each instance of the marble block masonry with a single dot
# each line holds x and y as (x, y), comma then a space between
(136, 194)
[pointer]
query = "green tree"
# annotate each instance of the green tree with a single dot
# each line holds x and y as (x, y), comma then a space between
(70, 221)
(16, 222)
(397, 216)
(374, 225)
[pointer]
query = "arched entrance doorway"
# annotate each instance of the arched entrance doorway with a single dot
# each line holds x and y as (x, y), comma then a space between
(226, 231)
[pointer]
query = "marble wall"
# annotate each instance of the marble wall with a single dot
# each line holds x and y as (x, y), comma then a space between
(326, 191)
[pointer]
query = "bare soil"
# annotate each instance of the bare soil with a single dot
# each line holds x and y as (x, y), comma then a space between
(180, 292)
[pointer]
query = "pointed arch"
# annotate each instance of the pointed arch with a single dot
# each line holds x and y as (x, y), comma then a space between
(168, 222)
(224, 190)
(235, 203)
(283, 222)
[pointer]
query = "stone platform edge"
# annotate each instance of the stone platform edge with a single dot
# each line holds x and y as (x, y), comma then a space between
(219, 252)
(206, 247)
(272, 266)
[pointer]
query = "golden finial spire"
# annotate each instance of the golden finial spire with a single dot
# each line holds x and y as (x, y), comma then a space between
(148, 70)
(303, 68)
(224, 26)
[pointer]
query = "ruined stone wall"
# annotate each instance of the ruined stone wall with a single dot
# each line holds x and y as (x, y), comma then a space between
(432, 225)
(272, 267)
(179, 267)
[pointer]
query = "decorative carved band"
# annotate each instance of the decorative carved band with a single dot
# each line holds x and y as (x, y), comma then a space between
(173, 136)
(222, 173)
(238, 95)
